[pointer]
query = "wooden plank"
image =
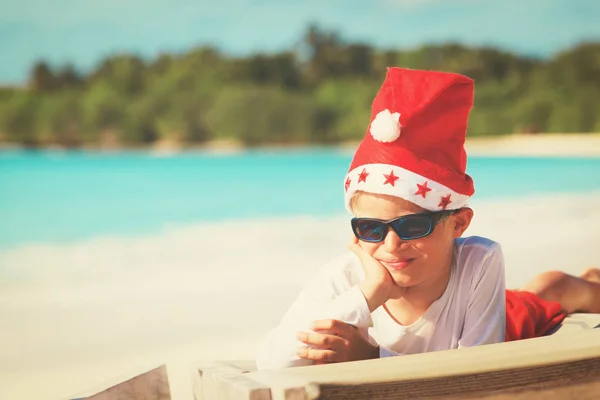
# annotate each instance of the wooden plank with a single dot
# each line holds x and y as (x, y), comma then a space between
(578, 322)
(538, 380)
(169, 381)
(583, 390)
(217, 380)
(152, 385)
(551, 362)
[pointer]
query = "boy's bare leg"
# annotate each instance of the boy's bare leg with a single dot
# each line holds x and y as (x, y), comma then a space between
(591, 274)
(575, 294)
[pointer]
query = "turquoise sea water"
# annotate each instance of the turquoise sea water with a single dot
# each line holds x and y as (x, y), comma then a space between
(64, 196)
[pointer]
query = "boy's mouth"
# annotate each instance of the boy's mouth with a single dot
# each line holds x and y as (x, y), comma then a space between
(398, 264)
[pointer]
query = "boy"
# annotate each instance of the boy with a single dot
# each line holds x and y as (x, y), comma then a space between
(412, 284)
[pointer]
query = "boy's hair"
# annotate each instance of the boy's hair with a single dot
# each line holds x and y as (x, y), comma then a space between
(354, 199)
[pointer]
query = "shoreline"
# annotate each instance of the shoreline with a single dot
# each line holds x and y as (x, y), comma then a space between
(517, 145)
(191, 226)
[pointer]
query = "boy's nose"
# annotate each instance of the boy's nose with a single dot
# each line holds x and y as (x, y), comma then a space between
(392, 241)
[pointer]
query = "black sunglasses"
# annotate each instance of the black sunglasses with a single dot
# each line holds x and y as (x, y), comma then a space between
(407, 227)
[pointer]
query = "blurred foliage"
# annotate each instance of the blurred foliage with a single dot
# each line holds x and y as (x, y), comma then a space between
(318, 92)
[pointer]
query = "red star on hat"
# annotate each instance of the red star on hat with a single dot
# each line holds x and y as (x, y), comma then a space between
(347, 184)
(423, 189)
(391, 178)
(362, 177)
(445, 201)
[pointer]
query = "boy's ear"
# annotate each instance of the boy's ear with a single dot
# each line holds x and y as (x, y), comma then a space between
(462, 220)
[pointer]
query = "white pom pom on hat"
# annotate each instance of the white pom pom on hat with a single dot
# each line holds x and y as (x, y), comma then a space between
(386, 126)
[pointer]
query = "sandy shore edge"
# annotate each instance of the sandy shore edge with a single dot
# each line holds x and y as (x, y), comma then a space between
(571, 145)
(543, 144)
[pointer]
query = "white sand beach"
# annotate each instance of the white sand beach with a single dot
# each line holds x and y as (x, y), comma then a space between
(78, 316)
(542, 144)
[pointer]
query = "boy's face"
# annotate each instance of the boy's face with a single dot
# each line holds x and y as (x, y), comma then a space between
(416, 261)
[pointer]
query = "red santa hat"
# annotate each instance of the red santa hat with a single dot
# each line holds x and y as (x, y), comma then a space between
(414, 146)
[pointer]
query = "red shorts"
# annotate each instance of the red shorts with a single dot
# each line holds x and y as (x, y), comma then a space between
(528, 316)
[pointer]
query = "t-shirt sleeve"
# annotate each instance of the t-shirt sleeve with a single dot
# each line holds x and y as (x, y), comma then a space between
(485, 319)
(321, 299)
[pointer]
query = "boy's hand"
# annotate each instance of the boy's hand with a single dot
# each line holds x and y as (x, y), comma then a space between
(335, 341)
(378, 285)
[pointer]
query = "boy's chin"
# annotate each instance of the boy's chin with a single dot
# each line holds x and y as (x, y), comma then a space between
(414, 276)
(404, 280)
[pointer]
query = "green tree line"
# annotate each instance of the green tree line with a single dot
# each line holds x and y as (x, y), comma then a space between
(318, 92)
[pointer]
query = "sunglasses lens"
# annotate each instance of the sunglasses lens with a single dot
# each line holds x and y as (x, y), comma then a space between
(413, 227)
(370, 231)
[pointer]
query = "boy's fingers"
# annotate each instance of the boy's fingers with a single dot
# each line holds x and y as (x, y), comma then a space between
(364, 257)
(320, 356)
(356, 249)
(338, 328)
(320, 340)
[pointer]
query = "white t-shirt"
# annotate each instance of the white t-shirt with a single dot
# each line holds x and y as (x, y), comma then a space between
(470, 312)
